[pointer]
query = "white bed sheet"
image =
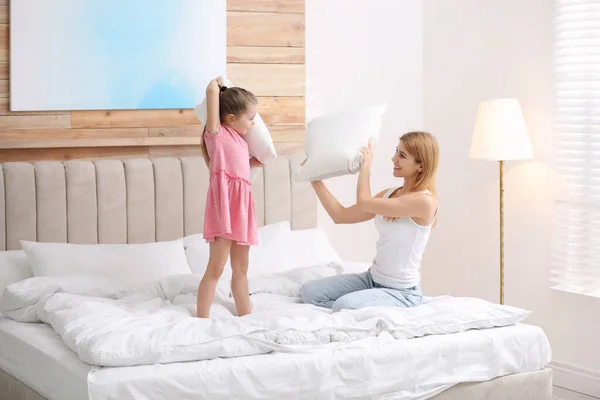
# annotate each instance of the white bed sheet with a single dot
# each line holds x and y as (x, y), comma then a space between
(407, 369)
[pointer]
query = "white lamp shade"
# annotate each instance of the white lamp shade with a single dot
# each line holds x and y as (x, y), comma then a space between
(500, 132)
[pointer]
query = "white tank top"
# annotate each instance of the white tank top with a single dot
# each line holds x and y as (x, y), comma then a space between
(399, 251)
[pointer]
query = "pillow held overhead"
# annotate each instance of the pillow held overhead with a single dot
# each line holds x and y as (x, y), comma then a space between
(260, 143)
(333, 142)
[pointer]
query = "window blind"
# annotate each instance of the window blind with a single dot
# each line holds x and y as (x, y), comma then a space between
(576, 238)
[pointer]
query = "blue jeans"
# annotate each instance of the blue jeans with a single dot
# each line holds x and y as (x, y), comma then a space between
(352, 291)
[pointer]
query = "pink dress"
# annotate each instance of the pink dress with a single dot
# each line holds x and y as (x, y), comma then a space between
(230, 211)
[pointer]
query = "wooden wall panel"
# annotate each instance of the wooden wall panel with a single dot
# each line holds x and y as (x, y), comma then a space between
(174, 151)
(264, 29)
(265, 54)
(4, 32)
(275, 6)
(89, 153)
(61, 121)
(269, 79)
(132, 118)
(282, 110)
(259, 55)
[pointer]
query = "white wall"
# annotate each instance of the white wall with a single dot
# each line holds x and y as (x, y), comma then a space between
(362, 51)
(475, 50)
(435, 60)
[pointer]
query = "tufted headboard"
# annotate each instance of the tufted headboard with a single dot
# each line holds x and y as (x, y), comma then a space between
(136, 200)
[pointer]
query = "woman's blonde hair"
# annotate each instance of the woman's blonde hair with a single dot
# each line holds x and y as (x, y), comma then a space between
(233, 100)
(423, 146)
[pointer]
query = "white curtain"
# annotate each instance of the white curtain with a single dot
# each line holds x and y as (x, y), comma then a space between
(576, 245)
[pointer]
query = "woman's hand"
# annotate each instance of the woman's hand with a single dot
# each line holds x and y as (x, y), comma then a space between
(363, 185)
(367, 156)
(255, 163)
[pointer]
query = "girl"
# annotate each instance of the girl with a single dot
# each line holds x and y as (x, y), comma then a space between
(403, 216)
(230, 218)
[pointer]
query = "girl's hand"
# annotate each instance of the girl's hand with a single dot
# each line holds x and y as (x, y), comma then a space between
(213, 86)
(367, 156)
(255, 163)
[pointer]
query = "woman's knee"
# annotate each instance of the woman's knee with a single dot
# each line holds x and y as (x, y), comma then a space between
(346, 302)
(310, 292)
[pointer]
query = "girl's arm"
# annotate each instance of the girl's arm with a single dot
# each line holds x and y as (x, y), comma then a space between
(338, 213)
(213, 121)
(414, 205)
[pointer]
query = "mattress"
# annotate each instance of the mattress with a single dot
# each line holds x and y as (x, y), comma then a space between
(37, 356)
(408, 369)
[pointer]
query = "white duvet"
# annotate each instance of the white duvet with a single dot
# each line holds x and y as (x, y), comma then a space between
(110, 324)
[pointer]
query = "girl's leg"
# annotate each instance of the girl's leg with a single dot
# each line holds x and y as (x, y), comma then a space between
(324, 292)
(219, 251)
(239, 278)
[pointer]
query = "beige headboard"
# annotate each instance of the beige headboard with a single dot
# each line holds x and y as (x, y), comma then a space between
(133, 200)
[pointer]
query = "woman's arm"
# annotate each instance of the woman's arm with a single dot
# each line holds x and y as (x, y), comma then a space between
(415, 205)
(338, 213)
(213, 121)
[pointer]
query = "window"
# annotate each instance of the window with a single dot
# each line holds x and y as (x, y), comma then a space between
(576, 245)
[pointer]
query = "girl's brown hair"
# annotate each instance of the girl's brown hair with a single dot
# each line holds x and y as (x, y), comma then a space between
(233, 100)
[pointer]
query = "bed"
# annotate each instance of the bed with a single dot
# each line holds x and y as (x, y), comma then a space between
(144, 201)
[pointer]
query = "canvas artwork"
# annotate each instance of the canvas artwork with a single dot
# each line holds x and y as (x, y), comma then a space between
(114, 54)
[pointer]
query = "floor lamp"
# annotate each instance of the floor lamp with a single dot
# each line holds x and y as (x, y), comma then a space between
(500, 135)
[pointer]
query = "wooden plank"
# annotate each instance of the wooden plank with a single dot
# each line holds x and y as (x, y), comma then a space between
(279, 133)
(260, 29)
(287, 133)
(61, 121)
(282, 110)
(4, 89)
(269, 79)
(4, 40)
(45, 134)
(4, 70)
(182, 131)
(174, 151)
(5, 110)
(266, 55)
(92, 153)
(133, 118)
(289, 148)
(279, 6)
(102, 142)
(4, 14)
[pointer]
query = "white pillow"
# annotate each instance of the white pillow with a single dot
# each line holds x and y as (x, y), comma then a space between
(310, 247)
(333, 142)
(197, 251)
(280, 249)
(270, 256)
(260, 143)
(130, 262)
(263, 259)
(14, 267)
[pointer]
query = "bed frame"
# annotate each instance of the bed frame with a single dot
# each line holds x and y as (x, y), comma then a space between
(148, 200)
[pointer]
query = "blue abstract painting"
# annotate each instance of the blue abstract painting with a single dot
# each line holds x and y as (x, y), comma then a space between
(114, 54)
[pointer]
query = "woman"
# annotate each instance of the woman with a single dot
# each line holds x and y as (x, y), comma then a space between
(404, 217)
